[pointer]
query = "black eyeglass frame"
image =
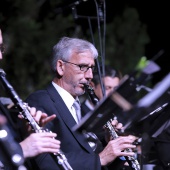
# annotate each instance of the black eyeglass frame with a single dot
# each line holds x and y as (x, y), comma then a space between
(2, 48)
(81, 66)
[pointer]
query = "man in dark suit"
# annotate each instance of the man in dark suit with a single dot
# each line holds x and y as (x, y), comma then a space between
(73, 64)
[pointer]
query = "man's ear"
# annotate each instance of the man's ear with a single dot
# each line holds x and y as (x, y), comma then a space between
(60, 67)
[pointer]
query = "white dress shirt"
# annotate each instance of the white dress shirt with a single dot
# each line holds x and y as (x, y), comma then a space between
(68, 100)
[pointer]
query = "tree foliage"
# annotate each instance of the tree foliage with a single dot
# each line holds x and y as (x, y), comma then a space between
(126, 38)
(31, 28)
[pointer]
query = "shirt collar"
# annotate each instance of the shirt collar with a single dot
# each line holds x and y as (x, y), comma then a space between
(66, 96)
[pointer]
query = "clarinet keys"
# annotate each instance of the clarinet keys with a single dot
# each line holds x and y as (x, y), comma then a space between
(132, 161)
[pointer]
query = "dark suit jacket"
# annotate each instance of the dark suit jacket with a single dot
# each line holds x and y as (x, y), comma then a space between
(73, 144)
(117, 164)
(84, 108)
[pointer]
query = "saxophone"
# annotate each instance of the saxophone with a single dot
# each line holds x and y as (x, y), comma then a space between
(24, 110)
(132, 161)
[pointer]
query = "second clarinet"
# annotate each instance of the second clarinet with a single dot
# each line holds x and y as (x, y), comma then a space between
(132, 161)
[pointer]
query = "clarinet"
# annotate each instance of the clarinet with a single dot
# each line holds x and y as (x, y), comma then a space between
(132, 161)
(90, 92)
(24, 110)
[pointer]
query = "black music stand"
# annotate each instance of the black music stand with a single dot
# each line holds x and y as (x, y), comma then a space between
(129, 114)
(119, 101)
(134, 117)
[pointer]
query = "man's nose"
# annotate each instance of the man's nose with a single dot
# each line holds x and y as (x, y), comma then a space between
(89, 74)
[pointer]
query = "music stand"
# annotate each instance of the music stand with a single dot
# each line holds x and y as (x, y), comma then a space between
(124, 110)
(131, 116)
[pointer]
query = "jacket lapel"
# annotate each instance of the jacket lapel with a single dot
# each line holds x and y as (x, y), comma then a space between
(66, 116)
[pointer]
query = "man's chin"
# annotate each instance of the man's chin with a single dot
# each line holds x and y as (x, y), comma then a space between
(80, 91)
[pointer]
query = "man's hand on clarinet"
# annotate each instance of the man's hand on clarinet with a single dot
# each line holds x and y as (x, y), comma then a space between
(37, 143)
(115, 147)
(41, 118)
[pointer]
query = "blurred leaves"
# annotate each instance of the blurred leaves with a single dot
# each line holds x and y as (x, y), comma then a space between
(31, 28)
(126, 38)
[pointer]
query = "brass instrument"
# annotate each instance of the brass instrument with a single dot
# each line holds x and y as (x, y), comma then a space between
(132, 161)
(24, 110)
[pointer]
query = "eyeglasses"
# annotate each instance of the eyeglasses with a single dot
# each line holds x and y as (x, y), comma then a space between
(81, 66)
(2, 48)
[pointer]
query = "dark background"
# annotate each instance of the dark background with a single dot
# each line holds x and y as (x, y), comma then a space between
(31, 28)
(154, 14)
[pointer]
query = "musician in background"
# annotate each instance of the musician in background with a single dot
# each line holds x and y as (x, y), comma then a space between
(73, 62)
(110, 81)
(35, 143)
